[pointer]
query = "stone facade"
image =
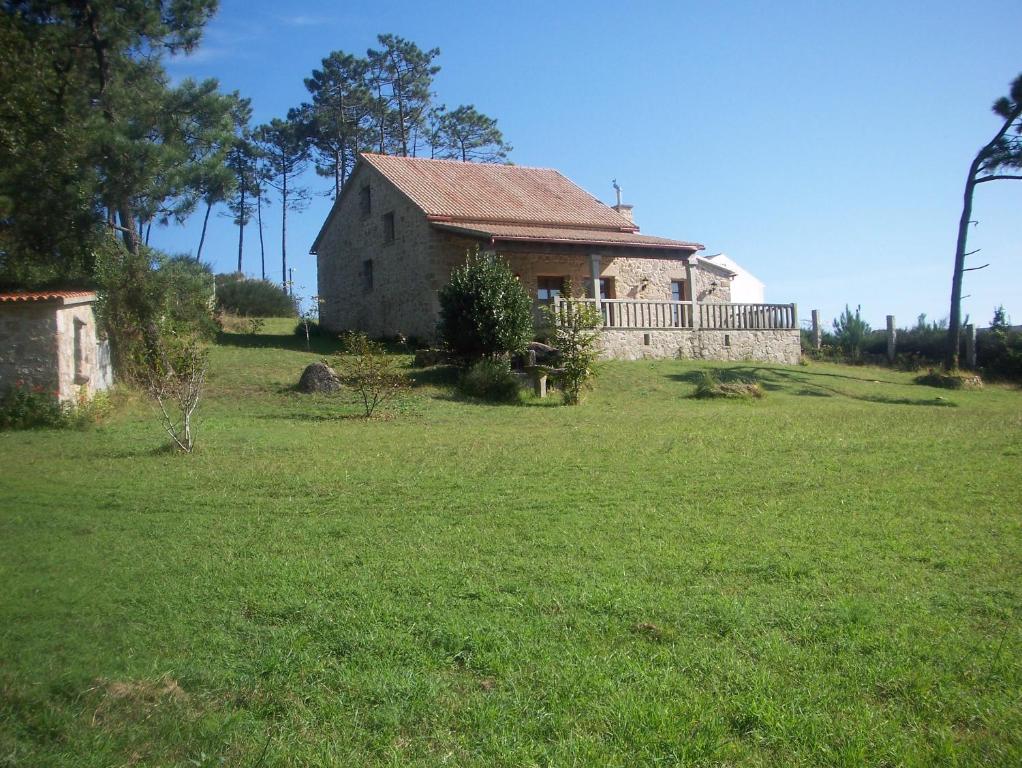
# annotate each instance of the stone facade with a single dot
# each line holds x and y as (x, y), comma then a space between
(369, 281)
(382, 263)
(774, 346)
(53, 346)
(411, 262)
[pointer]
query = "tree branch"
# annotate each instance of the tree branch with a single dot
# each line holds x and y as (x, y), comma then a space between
(998, 177)
(973, 269)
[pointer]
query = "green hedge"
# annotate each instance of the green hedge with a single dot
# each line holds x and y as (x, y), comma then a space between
(252, 298)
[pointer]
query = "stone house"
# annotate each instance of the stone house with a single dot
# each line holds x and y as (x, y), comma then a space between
(400, 225)
(48, 341)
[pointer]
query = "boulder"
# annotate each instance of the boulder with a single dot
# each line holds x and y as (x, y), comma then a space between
(319, 377)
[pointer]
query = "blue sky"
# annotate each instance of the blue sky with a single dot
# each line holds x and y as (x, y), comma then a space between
(822, 145)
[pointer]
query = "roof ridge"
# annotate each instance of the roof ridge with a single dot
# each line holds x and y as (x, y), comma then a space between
(451, 161)
(551, 223)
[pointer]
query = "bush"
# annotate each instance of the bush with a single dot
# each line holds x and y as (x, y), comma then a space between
(309, 329)
(576, 333)
(24, 407)
(484, 310)
(999, 349)
(252, 298)
(366, 368)
(175, 384)
(950, 379)
(146, 295)
(850, 332)
(490, 380)
(712, 384)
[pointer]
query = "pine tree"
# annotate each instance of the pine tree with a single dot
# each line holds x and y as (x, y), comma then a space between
(1002, 153)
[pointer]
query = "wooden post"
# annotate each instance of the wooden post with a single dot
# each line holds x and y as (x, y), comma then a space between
(970, 346)
(892, 339)
(794, 316)
(817, 331)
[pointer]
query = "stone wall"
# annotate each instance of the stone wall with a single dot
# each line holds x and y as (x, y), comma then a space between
(773, 346)
(28, 345)
(634, 277)
(38, 348)
(401, 299)
(90, 372)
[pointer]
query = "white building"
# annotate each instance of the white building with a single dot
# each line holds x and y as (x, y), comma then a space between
(746, 288)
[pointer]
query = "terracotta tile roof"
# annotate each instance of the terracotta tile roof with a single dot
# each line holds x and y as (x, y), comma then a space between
(573, 235)
(452, 190)
(64, 297)
(508, 202)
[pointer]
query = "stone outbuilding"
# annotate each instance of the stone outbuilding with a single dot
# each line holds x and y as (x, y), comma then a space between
(400, 225)
(49, 341)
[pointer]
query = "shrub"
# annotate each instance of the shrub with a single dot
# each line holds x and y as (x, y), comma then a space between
(850, 332)
(366, 368)
(146, 295)
(252, 298)
(950, 379)
(712, 384)
(24, 407)
(175, 383)
(484, 310)
(999, 349)
(491, 380)
(576, 333)
(306, 329)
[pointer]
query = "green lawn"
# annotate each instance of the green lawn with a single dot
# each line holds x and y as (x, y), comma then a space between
(829, 576)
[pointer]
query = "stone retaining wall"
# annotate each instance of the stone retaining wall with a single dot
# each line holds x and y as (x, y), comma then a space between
(772, 346)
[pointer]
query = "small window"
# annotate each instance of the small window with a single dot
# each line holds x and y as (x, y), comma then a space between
(548, 288)
(388, 227)
(367, 275)
(679, 290)
(366, 200)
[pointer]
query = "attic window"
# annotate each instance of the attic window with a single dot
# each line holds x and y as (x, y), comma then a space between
(365, 199)
(388, 227)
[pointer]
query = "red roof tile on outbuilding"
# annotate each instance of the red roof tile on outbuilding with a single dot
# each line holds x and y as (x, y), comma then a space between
(64, 297)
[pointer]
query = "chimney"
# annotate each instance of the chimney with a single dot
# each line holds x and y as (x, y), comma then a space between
(623, 208)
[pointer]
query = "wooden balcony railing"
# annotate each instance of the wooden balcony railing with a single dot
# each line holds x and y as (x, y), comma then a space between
(639, 314)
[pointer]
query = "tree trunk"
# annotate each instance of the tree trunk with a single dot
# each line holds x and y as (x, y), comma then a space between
(202, 237)
(128, 231)
(338, 162)
(262, 246)
(241, 226)
(283, 234)
(954, 330)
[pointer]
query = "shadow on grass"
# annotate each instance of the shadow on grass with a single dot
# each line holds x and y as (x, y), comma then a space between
(319, 345)
(314, 417)
(441, 376)
(807, 384)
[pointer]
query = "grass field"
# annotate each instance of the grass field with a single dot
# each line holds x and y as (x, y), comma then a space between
(829, 576)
